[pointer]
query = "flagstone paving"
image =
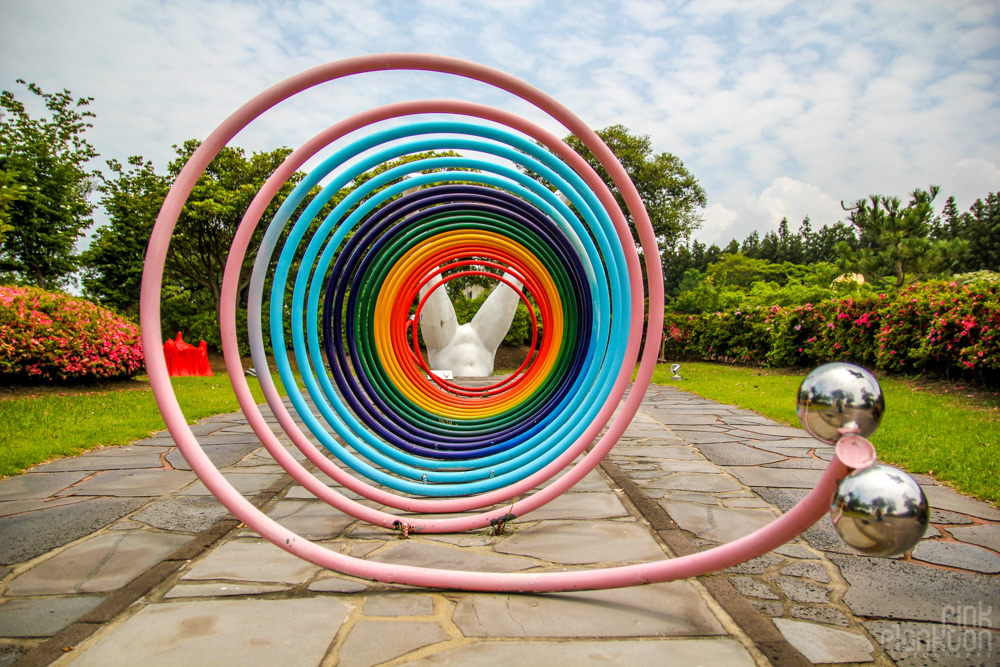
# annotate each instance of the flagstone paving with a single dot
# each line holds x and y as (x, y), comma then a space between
(121, 556)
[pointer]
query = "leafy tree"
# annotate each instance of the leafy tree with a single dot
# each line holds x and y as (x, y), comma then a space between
(9, 193)
(112, 265)
(670, 192)
(824, 244)
(45, 186)
(979, 226)
(894, 244)
(205, 229)
(751, 245)
(982, 231)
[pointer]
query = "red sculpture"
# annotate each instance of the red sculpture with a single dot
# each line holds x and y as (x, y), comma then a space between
(186, 359)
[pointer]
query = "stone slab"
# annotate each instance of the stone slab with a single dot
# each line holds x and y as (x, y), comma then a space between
(12, 507)
(134, 483)
(200, 429)
(949, 518)
(985, 535)
(222, 455)
(580, 506)
(892, 589)
(704, 467)
(222, 633)
(691, 497)
(191, 515)
(677, 452)
(800, 590)
(313, 519)
(246, 484)
(778, 431)
(795, 551)
(758, 565)
(810, 569)
(367, 645)
(337, 584)
(252, 560)
(37, 485)
(673, 609)
(680, 428)
(141, 457)
(671, 419)
(800, 445)
(423, 554)
(719, 524)
(26, 536)
(912, 644)
(742, 434)
(775, 477)
(580, 542)
(955, 554)
(746, 503)
(692, 481)
(398, 604)
(679, 652)
(696, 438)
(43, 617)
(805, 463)
(220, 590)
(734, 454)
(102, 563)
(828, 615)
(941, 497)
(753, 587)
(822, 644)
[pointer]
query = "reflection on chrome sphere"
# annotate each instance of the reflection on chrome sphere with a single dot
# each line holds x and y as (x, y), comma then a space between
(840, 399)
(880, 511)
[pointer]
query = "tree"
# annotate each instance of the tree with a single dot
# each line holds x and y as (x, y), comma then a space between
(9, 193)
(670, 192)
(45, 186)
(979, 227)
(982, 231)
(894, 244)
(112, 265)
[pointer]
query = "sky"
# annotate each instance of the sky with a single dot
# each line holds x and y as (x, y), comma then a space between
(779, 109)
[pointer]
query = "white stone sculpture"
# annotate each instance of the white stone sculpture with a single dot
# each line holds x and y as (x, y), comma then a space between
(467, 350)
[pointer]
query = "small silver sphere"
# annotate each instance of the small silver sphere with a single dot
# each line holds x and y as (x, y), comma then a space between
(880, 511)
(840, 399)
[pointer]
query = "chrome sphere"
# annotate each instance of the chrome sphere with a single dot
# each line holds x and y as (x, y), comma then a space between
(880, 511)
(840, 399)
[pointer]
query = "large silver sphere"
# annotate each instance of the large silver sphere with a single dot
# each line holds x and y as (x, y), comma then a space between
(880, 511)
(840, 399)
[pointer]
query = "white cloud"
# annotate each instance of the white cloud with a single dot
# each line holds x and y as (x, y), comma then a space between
(773, 106)
(969, 180)
(784, 198)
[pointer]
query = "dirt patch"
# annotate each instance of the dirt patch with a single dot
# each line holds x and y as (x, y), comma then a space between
(508, 358)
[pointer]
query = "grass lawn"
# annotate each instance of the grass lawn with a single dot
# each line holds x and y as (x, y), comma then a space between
(946, 430)
(39, 428)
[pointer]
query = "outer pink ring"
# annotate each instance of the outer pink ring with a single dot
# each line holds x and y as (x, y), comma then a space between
(776, 533)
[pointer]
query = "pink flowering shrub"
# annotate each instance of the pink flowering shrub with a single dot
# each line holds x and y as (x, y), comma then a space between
(49, 336)
(941, 327)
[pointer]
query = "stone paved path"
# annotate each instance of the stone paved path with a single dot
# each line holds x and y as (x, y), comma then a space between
(120, 557)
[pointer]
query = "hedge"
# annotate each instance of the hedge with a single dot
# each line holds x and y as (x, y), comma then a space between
(941, 327)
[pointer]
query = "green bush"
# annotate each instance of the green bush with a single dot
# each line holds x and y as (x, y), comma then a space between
(51, 336)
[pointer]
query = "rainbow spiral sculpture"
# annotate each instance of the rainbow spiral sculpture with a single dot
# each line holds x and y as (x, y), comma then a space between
(391, 433)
